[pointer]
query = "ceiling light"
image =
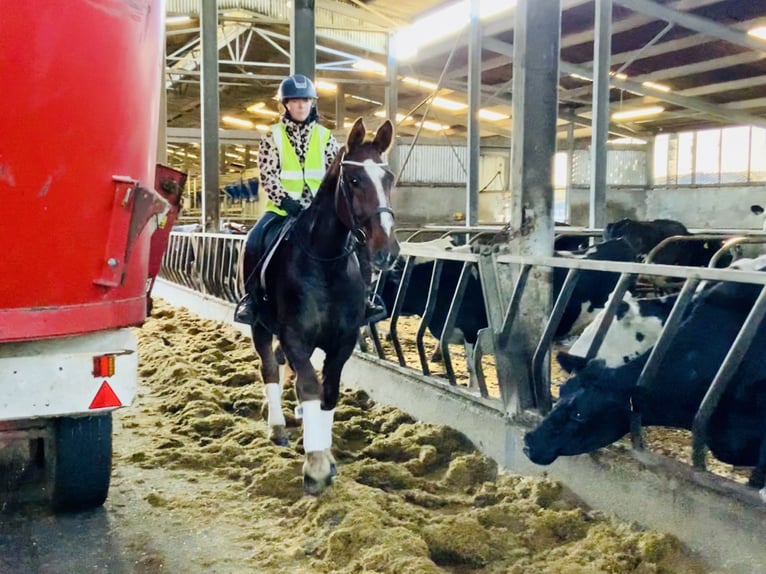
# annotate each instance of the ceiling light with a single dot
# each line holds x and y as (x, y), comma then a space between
(260, 108)
(399, 117)
(369, 66)
(638, 113)
(177, 19)
(759, 32)
(446, 104)
(492, 116)
(619, 75)
(441, 24)
(232, 155)
(419, 83)
(232, 121)
(579, 77)
(326, 86)
(363, 99)
(433, 126)
(627, 141)
(656, 86)
(261, 128)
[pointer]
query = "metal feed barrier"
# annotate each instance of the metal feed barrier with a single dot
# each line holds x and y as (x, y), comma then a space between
(206, 264)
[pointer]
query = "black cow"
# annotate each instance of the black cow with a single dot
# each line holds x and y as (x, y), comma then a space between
(645, 235)
(471, 316)
(595, 405)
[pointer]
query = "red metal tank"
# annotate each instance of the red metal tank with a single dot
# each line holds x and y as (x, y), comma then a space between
(80, 97)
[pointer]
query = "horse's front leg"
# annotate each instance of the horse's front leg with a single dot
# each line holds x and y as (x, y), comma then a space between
(319, 466)
(262, 341)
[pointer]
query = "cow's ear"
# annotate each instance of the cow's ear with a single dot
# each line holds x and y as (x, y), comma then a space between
(571, 363)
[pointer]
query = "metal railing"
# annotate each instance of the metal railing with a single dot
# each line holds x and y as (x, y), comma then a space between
(209, 263)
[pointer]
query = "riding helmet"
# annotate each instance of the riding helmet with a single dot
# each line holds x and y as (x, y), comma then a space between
(296, 86)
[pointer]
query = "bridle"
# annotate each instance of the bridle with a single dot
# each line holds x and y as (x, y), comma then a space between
(357, 225)
(356, 235)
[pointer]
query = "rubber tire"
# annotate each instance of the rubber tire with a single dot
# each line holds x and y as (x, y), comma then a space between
(79, 462)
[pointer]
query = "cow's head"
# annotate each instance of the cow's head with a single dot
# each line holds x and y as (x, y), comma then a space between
(592, 412)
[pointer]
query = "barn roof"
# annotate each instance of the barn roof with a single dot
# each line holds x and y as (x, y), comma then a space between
(703, 62)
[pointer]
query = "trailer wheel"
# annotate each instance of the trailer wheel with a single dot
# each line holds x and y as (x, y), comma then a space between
(79, 462)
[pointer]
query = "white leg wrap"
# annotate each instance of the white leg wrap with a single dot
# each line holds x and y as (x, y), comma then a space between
(315, 438)
(327, 420)
(274, 399)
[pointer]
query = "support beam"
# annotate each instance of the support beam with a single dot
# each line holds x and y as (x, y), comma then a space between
(474, 127)
(694, 22)
(600, 132)
(535, 104)
(211, 209)
(392, 101)
(675, 99)
(303, 39)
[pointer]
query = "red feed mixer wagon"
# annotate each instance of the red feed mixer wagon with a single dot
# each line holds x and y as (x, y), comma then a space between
(80, 207)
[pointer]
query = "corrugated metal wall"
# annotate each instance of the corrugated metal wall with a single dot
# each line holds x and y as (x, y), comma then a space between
(434, 164)
(281, 10)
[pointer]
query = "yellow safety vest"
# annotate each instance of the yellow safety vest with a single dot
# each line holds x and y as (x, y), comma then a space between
(294, 176)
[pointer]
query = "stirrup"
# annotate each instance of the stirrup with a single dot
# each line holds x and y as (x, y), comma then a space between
(374, 313)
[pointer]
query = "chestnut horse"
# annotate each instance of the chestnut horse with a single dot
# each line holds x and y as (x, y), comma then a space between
(316, 292)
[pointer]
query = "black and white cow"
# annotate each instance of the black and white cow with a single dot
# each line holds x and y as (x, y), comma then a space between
(593, 287)
(636, 325)
(595, 406)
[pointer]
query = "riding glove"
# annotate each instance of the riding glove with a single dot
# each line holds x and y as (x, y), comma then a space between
(291, 206)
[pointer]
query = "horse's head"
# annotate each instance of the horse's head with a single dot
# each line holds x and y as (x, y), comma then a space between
(363, 195)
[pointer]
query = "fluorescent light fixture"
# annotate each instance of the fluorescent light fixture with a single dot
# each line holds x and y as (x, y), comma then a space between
(239, 148)
(399, 117)
(758, 32)
(232, 121)
(177, 19)
(637, 113)
(628, 141)
(619, 75)
(232, 155)
(363, 99)
(347, 125)
(326, 86)
(260, 128)
(443, 23)
(433, 126)
(369, 66)
(446, 104)
(579, 77)
(656, 86)
(492, 116)
(260, 108)
(419, 83)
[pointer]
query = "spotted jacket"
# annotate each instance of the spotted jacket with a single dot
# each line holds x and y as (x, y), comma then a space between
(270, 164)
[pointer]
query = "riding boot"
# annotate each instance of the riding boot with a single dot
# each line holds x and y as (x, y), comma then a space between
(246, 310)
(375, 310)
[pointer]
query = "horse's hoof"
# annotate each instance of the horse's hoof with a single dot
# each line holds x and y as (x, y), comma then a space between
(278, 435)
(315, 487)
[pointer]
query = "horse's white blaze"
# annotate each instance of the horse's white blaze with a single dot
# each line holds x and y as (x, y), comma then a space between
(274, 399)
(376, 174)
(621, 342)
(314, 434)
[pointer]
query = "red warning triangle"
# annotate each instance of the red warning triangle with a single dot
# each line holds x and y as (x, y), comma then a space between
(105, 397)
